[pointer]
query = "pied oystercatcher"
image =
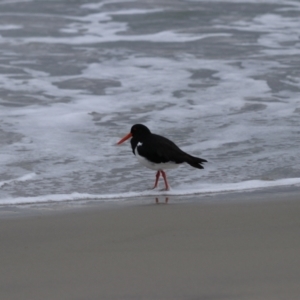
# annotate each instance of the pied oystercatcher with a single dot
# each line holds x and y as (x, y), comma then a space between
(157, 152)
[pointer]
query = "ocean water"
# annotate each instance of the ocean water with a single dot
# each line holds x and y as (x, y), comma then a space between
(219, 78)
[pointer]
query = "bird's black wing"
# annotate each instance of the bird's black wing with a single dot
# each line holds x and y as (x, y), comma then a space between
(159, 149)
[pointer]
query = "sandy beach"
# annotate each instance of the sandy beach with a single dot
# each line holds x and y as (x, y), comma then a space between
(232, 250)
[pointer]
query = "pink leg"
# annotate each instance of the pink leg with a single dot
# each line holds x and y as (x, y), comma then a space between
(156, 180)
(165, 179)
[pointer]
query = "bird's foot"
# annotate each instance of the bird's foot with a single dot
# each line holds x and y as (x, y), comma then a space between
(153, 188)
(160, 190)
(165, 190)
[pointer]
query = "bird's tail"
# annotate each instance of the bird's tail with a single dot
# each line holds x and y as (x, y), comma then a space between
(195, 162)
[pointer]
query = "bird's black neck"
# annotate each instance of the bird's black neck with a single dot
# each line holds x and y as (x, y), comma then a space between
(134, 141)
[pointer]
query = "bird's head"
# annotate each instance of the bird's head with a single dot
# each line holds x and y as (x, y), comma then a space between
(138, 131)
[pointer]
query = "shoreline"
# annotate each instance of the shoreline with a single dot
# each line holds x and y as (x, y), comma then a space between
(286, 184)
(291, 193)
(213, 248)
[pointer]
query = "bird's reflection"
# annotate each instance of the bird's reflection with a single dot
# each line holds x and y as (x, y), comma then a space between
(157, 200)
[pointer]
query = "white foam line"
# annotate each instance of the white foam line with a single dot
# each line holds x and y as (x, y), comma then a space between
(101, 4)
(160, 37)
(249, 1)
(13, 1)
(22, 178)
(208, 189)
(10, 27)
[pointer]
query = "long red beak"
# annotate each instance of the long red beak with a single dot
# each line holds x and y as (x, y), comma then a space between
(126, 137)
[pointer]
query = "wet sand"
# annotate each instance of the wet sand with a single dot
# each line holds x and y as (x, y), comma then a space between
(232, 250)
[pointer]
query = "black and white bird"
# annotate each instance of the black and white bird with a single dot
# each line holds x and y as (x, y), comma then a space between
(157, 152)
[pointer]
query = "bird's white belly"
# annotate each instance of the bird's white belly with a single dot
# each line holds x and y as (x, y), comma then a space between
(154, 166)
